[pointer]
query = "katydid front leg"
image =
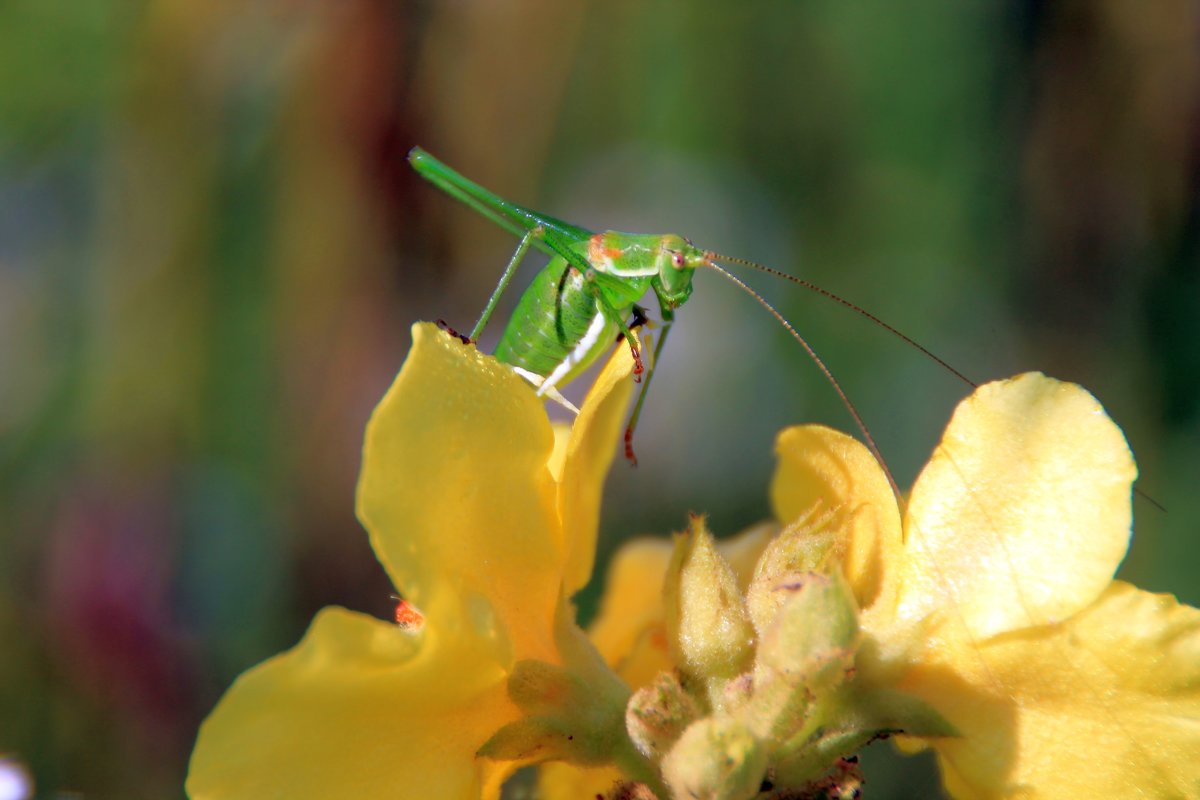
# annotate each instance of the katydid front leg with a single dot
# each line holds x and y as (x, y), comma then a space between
(668, 317)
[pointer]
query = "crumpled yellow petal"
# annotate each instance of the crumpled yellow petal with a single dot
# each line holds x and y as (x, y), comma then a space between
(825, 475)
(358, 709)
(1103, 705)
(458, 499)
(1022, 514)
(589, 454)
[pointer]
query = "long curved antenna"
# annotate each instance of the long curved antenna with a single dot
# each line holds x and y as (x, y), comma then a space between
(837, 387)
(710, 255)
(837, 299)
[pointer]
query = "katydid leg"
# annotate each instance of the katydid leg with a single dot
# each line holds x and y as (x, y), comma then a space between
(509, 271)
(590, 272)
(634, 348)
(445, 326)
(637, 408)
(605, 315)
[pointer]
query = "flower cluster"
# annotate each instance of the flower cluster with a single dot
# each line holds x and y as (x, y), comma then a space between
(978, 618)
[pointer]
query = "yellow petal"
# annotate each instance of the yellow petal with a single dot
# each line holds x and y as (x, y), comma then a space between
(358, 709)
(562, 436)
(589, 454)
(458, 499)
(827, 476)
(1023, 512)
(1103, 705)
(632, 602)
(559, 781)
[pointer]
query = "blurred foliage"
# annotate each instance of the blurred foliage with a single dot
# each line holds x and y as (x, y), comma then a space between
(211, 249)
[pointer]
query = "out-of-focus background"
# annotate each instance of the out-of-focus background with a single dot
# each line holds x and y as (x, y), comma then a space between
(212, 248)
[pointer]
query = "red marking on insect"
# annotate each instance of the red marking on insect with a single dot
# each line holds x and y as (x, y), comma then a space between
(596, 248)
(408, 618)
(599, 253)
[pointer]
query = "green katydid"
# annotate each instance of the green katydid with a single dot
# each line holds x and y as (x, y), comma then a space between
(580, 301)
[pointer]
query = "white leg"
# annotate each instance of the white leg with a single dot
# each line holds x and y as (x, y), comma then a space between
(575, 356)
(552, 393)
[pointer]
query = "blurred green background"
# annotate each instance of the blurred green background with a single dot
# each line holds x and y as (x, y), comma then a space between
(211, 250)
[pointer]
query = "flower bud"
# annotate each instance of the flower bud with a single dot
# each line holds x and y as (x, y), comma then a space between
(717, 758)
(709, 631)
(805, 655)
(801, 547)
(658, 714)
(815, 626)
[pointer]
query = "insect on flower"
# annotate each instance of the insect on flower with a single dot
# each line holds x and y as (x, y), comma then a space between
(587, 295)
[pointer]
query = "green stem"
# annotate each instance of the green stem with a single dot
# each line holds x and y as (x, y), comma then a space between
(637, 767)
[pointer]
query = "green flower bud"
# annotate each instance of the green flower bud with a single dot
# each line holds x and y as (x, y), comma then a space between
(801, 547)
(710, 634)
(805, 655)
(816, 625)
(658, 714)
(717, 758)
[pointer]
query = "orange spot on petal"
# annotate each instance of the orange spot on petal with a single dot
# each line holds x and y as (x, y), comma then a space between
(408, 617)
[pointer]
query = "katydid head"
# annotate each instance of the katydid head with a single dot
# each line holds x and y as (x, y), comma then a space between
(677, 263)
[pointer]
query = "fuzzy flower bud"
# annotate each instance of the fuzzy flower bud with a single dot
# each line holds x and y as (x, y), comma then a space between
(658, 714)
(710, 634)
(717, 758)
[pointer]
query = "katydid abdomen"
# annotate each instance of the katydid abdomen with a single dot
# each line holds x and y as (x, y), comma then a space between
(558, 329)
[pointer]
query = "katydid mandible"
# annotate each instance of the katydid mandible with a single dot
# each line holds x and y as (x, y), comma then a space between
(579, 304)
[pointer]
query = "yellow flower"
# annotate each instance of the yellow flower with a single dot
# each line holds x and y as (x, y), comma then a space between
(991, 598)
(988, 598)
(485, 518)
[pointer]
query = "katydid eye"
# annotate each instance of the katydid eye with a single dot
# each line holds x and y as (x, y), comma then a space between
(677, 259)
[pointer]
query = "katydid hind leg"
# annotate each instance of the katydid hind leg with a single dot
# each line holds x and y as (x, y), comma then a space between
(606, 317)
(505, 279)
(549, 391)
(576, 356)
